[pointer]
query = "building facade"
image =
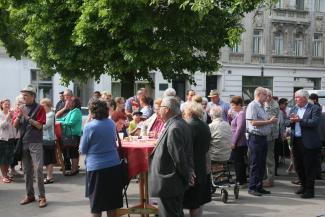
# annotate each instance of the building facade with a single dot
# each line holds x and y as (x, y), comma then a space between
(282, 49)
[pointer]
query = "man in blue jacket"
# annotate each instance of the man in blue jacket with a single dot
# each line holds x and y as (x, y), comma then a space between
(304, 121)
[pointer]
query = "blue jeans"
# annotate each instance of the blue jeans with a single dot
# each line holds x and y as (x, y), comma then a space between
(258, 151)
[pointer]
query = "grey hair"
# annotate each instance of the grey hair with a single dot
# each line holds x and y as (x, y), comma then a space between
(172, 103)
(204, 99)
(215, 112)
(268, 91)
(68, 91)
(259, 90)
(169, 92)
(302, 93)
(194, 108)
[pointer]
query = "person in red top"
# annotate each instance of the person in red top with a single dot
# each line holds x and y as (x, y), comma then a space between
(30, 120)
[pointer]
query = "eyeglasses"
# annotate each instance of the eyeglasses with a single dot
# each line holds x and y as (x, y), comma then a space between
(163, 106)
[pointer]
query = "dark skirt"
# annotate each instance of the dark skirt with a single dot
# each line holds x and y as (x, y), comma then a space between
(72, 152)
(198, 195)
(49, 156)
(104, 189)
(7, 152)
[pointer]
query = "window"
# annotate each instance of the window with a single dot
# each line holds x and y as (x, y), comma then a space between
(278, 43)
(250, 83)
(300, 5)
(317, 5)
(179, 86)
(211, 83)
(43, 84)
(279, 4)
(317, 45)
(258, 42)
(298, 45)
(116, 89)
(236, 48)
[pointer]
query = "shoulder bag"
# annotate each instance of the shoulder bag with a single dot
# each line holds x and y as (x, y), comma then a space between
(68, 140)
(123, 164)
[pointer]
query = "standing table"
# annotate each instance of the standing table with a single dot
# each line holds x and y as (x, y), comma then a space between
(137, 153)
(58, 151)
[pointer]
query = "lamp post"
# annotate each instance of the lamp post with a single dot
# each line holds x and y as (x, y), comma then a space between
(262, 61)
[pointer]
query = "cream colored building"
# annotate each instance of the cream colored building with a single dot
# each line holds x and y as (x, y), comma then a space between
(282, 49)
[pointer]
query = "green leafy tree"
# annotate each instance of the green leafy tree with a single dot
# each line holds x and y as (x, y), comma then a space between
(82, 39)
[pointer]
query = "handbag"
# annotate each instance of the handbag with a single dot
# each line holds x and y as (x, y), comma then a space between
(48, 144)
(18, 149)
(123, 164)
(69, 140)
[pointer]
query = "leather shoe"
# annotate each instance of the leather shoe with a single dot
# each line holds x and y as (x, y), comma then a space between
(42, 202)
(300, 191)
(27, 200)
(307, 195)
(263, 191)
(254, 193)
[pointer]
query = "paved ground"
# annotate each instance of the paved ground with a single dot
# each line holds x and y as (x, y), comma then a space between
(66, 198)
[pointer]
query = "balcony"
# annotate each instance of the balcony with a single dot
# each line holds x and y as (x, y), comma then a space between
(284, 15)
(317, 61)
(236, 57)
(291, 60)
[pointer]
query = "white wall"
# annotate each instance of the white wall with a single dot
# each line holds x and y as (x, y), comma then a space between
(14, 75)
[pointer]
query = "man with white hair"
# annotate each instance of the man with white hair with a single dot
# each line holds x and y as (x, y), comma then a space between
(259, 126)
(171, 162)
(169, 92)
(305, 141)
(272, 109)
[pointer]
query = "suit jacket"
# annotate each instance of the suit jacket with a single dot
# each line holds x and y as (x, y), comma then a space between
(309, 126)
(171, 161)
(201, 137)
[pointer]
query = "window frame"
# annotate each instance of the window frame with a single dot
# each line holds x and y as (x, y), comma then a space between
(317, 45)
(42, 82)
(258, 43)
(298, 46)
(278, 43)
(257, 81)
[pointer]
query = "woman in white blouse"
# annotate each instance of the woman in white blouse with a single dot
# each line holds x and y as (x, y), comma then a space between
(7, 139)
(48, 134)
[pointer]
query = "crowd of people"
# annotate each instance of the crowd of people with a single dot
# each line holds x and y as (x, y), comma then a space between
(190, 135)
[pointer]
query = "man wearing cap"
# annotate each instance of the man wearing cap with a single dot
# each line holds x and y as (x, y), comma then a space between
(216, 101)
(30, 120)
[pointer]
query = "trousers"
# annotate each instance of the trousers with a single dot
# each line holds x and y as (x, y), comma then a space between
(32, 159)
(258, 150)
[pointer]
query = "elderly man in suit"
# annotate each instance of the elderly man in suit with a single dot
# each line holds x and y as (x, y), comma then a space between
(171, 162)
(304, 121)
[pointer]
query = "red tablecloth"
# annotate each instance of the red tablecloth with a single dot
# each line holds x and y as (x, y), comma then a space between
(137, 153)
(58, 131)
